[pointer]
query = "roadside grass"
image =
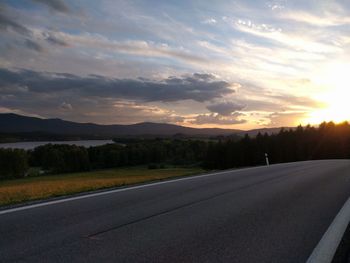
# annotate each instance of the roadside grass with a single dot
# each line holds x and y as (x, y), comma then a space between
(41, 187)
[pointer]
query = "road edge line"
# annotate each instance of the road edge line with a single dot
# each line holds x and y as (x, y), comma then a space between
(143, 185)
(127, 188)
(327, 246)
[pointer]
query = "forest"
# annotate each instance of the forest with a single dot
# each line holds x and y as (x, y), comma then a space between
(327, 141)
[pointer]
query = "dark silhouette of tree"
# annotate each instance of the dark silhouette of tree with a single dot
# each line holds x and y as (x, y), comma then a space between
(13, 163)
(328, 141)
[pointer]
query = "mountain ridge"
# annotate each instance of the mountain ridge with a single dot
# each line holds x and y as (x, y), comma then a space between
(15, 123)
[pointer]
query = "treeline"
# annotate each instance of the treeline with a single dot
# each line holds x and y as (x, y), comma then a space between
(328, 141)
(53, 159)
(154, 151)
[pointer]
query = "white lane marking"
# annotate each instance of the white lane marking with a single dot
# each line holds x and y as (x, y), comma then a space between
(11, 210)
(327, 246)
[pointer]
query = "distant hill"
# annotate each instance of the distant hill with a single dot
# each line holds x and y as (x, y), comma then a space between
(32, 128)
(13, 123)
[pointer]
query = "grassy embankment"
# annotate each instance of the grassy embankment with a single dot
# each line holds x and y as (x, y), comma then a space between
(33, 188)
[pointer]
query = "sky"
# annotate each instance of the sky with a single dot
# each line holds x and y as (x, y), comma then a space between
(228, 64)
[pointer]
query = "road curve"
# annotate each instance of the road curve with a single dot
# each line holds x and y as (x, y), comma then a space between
(265, 214)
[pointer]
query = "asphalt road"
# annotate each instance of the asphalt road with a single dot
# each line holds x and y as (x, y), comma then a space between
(265, 214)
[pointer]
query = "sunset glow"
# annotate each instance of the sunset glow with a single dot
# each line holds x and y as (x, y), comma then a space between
(229, 64)
(336, 97)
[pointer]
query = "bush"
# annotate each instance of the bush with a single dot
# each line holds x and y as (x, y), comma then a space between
(61, 158)
(13, 163)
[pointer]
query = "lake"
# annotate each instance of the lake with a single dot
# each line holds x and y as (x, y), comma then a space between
(32, 145)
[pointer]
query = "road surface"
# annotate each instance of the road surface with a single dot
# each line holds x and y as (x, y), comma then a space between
(264, 214)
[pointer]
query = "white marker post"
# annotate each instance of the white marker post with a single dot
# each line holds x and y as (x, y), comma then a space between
(267, 159)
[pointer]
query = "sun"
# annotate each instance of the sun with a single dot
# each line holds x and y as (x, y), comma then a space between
(336, 97)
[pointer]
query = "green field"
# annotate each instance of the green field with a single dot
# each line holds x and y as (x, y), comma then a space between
(41, 187)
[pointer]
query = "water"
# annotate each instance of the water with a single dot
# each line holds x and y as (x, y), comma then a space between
(32, 145)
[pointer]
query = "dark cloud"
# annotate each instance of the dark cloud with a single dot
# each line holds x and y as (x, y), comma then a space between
(225, 108)
(54, 40)
(33, 45)
(204, 77)
(182, 88)
(56, 5)
(7, 23)
(99, 99)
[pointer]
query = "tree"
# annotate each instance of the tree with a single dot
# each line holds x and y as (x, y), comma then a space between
(13, 163)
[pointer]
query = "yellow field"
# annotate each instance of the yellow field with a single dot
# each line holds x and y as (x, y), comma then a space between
(20, 190)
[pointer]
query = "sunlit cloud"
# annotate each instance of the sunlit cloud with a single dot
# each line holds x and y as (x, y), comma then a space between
(295, 41)
(225, 108)
(327, 19)
(212, 118)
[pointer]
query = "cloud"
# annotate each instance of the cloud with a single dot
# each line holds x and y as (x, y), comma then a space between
(286, 119)
(30, 40)
(65, 106)
(7, 23)
(109, 100)
(261, 104)
(276, 5)
(209, 21)
(294, 40)
(225, 108)
(33, 45)
(132, 112)
(324, 20)
(100, 50)
(298, 101)
(197, 87)
(54, 40)
(213, 118)
(133, 47)
(79, 108)
(173, 118)
(55, 5)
